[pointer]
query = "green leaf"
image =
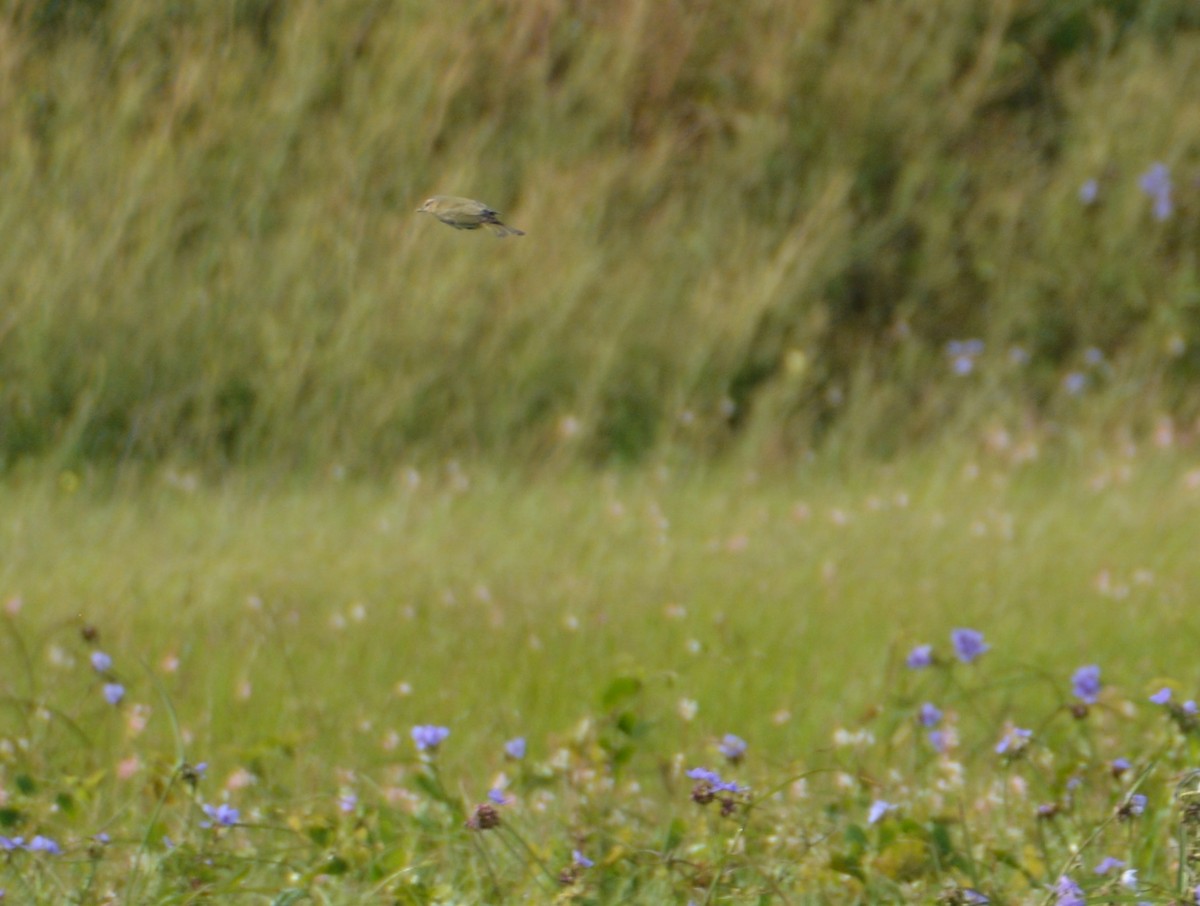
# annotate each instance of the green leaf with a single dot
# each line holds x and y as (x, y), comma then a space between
(10, 817)
(675, 832)
(619, 691)
(26, 784)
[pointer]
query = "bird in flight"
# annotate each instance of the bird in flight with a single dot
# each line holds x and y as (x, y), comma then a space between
(466, 214)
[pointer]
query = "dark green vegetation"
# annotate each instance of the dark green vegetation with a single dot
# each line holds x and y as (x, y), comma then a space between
(751, 225)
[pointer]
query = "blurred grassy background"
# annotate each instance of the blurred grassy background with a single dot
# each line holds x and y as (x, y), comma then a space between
(752, 227)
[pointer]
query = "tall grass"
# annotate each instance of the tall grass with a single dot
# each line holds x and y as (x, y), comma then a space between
(752, 224)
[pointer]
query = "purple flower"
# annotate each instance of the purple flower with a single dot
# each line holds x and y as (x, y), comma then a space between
(428, 737)
(1075, 383)
(732, 747)
(114, 693)
(1089, 192)
(878, 809)
(1014, 739)
(1136, 804)
(1162, 696)
(1189, 707)
(40, 844)
(1156, 183)
(968, 644)
(705, 775)
(8, 844)
(347, 802)
(102, 838)
(1107, 864)
(1068, 893)
(974, 897)
(515, 748)
(939, 740)
(580, 859)
(929, 715)
(497, 796)
(1129, 878)
(920, 657)
(1086, 683)
(101, 662)
(224, 815)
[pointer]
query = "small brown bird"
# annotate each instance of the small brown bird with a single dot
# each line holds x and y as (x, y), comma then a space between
(466, 214)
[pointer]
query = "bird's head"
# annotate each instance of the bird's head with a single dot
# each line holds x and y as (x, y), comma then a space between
(427, 207)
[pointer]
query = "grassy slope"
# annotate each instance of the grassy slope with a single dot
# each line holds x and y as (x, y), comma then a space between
(211, 253)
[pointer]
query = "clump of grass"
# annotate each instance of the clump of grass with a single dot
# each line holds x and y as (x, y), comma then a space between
(758, 228)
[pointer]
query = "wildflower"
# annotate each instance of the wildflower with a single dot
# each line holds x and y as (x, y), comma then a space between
(878, 809)
(972, 897)
(1132, 807)
(1015, 739)
(8, 844)
(1089, 192)
(705, 775)
(40, 844)
(515, 748)
(920, 657)
(497, 796)
(1075, 383)
(428, 737)
(968, 644)
(732, 747)
(1156, 183)
(102, 838)
(1107, 864)
(1119, 766)
(1129, 878)
(485, 817)
(939, 740)
(1189, 707)
(962, 355)
(1086, 684)
(101, 662)
(929, 715)
(580, 859)
(114, 693)
(224, 815)
(1093, 356)
(347, 802)
(1162, 696)
(1068, 893)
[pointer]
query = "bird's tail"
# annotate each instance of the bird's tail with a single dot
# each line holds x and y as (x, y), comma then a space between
(503, 229)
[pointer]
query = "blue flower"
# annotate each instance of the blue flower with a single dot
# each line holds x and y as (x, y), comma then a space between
(101, 662)
(939, 740)
(347, 802)
(929, 715)
(732, 747)
(1162, 696)
(8, 844)
(1189, 707)
(40, 844)
(1136, 804)
(114, 693)
(580, 859)
(1068, 893)
(224, 815)
(1156, 183)
(1107, 864)
(974, 898)
(968, 644)
(919, 657)
(1013, 741)
(705, 775)
(1129, 878)
(878, 809)
(497, 796)
(428, 737)
(1075, 383)
(1089, 192)
(1086, 683)
(515, 748)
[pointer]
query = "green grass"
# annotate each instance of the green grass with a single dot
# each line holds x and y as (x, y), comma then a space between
(781, 604)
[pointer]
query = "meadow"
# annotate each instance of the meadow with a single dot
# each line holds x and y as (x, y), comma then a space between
(803, 511)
